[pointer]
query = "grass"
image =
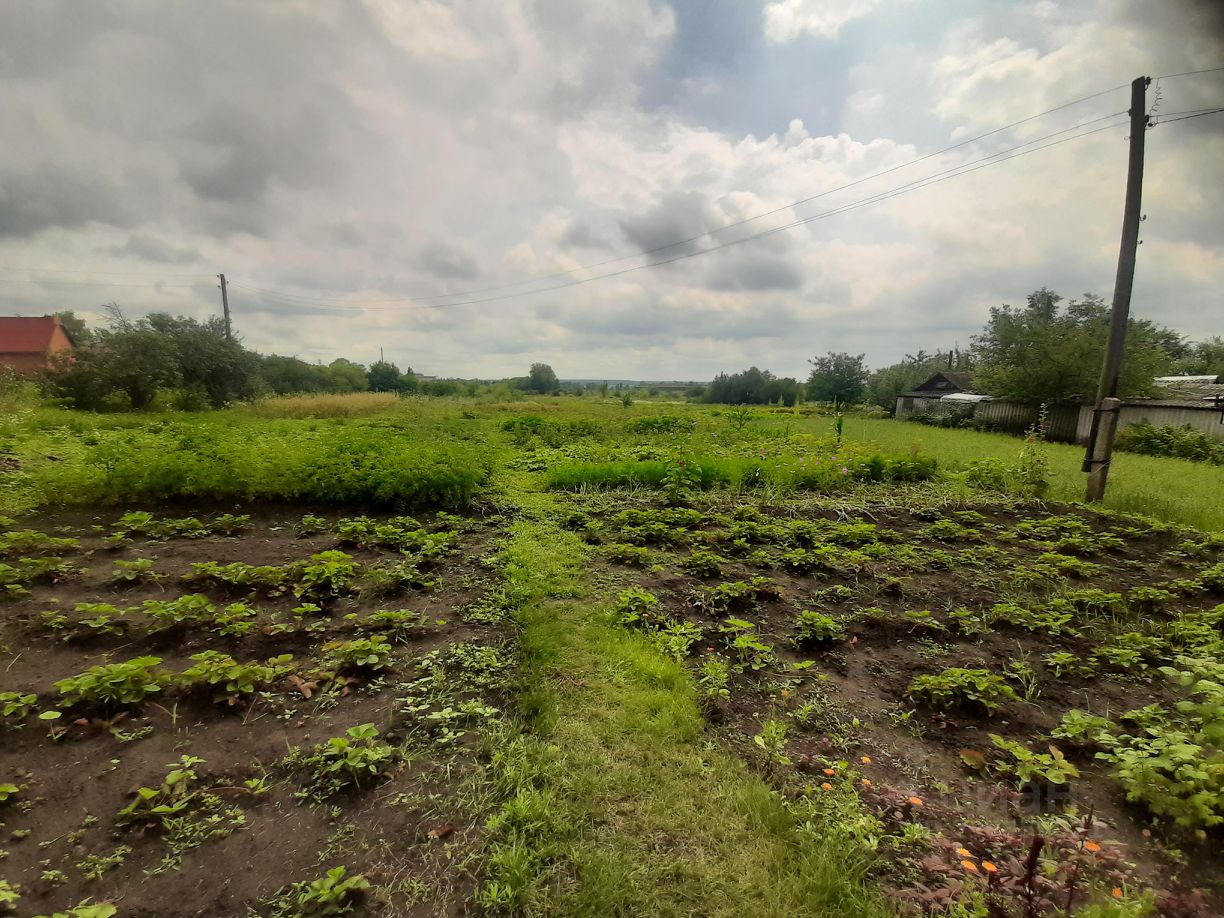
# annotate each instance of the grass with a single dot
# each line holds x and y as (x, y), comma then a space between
(1175, 490)
(358, 404)
(617, 805)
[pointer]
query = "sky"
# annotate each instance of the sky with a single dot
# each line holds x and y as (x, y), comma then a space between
(468, 187)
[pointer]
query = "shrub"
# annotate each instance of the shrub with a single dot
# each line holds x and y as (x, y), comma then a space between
(1183, 442)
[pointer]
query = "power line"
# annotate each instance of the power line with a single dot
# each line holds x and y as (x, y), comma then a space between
(1186, 115)
(1170, 76)
(62, 283)
(954, 172)
(681, 242)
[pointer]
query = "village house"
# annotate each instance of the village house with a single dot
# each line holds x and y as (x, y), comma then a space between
(28, 344)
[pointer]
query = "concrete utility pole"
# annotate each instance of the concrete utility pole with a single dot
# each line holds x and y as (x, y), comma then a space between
(1105, 411)
(229, 333)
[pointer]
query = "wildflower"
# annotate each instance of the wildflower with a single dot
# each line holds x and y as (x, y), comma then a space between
(826, 786)
(964, 852)
(1116, 892)
(830, 772)
(785, 693)
(866, 783)
(1092, 846)
(989, 867)
(866, 760)
(915, 801)
(970, 866)
(845, 471)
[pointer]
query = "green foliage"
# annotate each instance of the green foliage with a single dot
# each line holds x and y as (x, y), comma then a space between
(1034, 767)
(838, 378)
(8, 791)
(113, 685)
(624, 553)
(962, 688)
(238, 575)
(1184, 442)
(816, 628)
(325, 576)
(16, 704)
(739, 594)
(333, 894)
(348, 762)
(140, 570)
(31, 542)
(703, 564)
(714, 680)
(370, 654)
(227, 679)
(636, 606)
(751, 387)
(1083, 729)
(189, 609)
(153, 805)
(1039, 354)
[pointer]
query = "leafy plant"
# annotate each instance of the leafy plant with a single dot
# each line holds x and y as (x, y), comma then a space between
(113, 684)
(369, 654)
(155, 804)
(703, 564)
(189, 609)
(229, 680)
(333, 894)
(138, 571)
(676, 638)
(962, 688)
(772, 740)
(8, 791)
(16, 704)
(624, 553)
(348, 761)
(325, 576)
(816, 628)
(636, 606)
(714, 679)
(1083, 729)
(1040, 768)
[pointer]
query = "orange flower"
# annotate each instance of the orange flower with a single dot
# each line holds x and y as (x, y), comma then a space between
(964, 852)
(1091, 846)
(970, 866)
(866, 760)
(826, 786)
(915, 801)
(830, 772)
(866, 783)
(989, 867)
(1116, 892)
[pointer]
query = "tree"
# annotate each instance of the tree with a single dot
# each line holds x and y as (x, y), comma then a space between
(751, 387)
(129, 357)
(1203, 358)
(385, 377)
(1043, 354)
(838, 378)
(346, 376)
(886, 383)
(77, 330)
(542, 379)
(211, 367)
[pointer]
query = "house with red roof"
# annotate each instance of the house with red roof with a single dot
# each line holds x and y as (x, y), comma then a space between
(29, 343)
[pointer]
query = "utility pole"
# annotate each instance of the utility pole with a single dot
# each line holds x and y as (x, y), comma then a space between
(229, 334)
(1105, 411)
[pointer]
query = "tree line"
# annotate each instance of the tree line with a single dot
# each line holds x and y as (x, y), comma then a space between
(1047, 351)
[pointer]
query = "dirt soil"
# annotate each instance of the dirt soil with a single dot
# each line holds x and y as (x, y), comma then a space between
(411, 834)
(905, 759)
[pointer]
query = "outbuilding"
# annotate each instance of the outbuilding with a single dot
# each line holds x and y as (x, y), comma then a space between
(29, 344)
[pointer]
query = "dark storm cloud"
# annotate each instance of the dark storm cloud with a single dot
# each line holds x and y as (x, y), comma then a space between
(677, 216)
(756, 271)
(153, 248)
(448, 261)
(32, 200)
(579, 235)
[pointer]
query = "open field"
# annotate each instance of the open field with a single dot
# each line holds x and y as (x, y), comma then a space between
(567, 657)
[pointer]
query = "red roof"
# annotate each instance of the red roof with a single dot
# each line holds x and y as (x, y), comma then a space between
(27, 334)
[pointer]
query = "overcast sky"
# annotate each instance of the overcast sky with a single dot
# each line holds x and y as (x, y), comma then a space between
(345, 162)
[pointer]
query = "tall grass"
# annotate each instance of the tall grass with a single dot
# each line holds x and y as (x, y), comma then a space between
(351, 405)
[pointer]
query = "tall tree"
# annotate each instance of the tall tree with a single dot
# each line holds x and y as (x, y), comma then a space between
(1043, 353)
(837, 378)
(542, 379)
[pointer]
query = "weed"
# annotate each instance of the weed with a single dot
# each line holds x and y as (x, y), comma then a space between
(16, 704)
(772, 741)
(1083, 729)
(333, 894)
(1034, 768)
(714, 680)
(636, 606)
(94, 866)
(348, 762)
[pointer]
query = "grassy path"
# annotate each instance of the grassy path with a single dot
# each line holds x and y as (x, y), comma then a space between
(617, 803)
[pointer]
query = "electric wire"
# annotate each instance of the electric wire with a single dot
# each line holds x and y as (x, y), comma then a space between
(954, 172)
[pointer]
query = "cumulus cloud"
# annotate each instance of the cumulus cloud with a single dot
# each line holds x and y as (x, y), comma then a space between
(355, 167)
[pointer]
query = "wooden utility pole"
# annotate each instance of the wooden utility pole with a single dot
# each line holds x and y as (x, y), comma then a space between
(1105, 412)
(229, 333)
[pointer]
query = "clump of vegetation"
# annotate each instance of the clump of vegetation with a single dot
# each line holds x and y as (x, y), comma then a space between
(964, 689)
(703, 564)
(1183, 442)
(325, 576)
(816, 628)
(631, 555)
(636, 606)
(114, 685)
(227, 679)
(350, 762)
(361, 655)
(335, 893)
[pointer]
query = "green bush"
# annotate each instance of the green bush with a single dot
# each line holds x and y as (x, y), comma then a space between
(1180, 442)
(962, 688)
